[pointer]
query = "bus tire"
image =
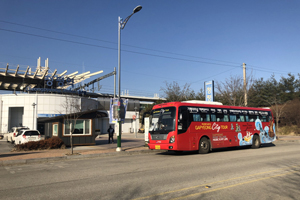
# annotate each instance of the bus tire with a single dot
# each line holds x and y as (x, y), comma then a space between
(255, 142)
(204, 146)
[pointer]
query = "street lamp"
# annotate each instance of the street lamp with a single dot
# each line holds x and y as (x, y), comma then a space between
(135, 129)
(33, 105)
(121, 25)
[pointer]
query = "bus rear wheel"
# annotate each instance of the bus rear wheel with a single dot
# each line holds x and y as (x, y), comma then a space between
(204, 146)
(255, 142)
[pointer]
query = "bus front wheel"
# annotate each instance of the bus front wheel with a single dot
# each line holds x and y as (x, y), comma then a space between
(255, 142)
(204, 146)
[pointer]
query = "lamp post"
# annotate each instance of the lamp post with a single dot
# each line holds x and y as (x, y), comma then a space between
(121, 25)
(33, 105)
(135, 129)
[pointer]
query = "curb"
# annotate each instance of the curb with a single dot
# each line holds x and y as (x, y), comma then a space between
(74, 157)
(285, 141)
(88, 156)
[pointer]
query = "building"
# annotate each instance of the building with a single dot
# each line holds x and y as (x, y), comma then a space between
(37, 110)
(43, 98)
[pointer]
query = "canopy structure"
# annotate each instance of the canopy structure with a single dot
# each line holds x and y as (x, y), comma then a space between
(42, 77)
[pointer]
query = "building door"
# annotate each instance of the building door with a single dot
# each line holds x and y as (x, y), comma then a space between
(15, 117)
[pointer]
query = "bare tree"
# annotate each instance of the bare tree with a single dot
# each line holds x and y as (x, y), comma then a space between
(278, 110)
(174, 92)
(231, 91)
(72, 108)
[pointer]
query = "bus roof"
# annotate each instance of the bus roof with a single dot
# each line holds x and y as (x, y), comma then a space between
(205, 104)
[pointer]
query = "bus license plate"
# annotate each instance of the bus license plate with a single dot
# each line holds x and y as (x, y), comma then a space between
(157, 146)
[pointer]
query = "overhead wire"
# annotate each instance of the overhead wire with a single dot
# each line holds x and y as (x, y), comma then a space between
(96, 39)
(79, 36)
(141, 53)
(111, 48)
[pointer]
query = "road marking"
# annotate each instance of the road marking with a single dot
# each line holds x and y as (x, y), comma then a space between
(193, 187)
(230, 186)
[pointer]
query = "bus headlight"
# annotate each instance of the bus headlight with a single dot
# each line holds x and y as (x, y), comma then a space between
(172, 139)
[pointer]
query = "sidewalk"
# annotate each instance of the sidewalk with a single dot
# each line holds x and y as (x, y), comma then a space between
(130, 145)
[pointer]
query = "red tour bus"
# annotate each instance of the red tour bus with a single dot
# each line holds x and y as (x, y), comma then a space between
(203, 126)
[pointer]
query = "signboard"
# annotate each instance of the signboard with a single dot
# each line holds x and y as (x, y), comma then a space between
(117, 108)
(147, 124)
(209, 91)
(49, 115)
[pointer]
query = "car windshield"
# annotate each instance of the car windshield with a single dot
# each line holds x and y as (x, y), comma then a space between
(162, 120)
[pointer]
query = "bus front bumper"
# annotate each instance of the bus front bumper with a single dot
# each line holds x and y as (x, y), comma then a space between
(161, 146)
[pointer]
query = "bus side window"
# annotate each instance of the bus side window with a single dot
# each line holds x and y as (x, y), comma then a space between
(264, 118)
(196, 117)
(213, 118)
(252, 118)
(247, 118)
(207, 118)
(220, 117)
(226, 118)
(242, 118)
(233, 118)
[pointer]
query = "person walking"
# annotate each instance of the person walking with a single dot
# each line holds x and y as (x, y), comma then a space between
(111, 132)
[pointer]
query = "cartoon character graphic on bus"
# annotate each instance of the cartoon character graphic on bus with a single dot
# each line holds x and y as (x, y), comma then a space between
(238, 128)
(246, 140)
(266, 134)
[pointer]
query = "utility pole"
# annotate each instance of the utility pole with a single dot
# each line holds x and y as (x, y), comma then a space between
(245, 86)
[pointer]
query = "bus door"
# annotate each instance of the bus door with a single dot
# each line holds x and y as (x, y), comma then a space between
(188, 128)
(183, 126)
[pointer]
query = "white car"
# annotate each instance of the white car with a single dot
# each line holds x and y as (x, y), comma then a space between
(25, 136)
(14, 132)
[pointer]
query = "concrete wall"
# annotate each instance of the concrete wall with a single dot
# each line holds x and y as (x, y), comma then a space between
(51, 104)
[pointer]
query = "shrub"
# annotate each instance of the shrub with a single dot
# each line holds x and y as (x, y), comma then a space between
(51, 143)
(54, 143)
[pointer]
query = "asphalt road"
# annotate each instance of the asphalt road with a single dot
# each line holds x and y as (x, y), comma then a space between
(271, 172)
(5, 146)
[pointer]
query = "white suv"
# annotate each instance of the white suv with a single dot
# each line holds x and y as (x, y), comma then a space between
(27, 136)
(14, 132)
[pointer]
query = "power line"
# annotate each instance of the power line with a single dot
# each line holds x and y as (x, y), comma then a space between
(268, 70)
(59, 32)
(148, 54)
(93, 45)
(115, 42)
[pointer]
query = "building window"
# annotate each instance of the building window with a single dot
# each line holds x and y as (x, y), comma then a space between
(55, 130)
(82, 127)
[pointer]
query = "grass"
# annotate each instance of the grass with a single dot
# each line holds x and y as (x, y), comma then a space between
(289, 130)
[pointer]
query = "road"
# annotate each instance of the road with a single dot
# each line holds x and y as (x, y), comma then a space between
(5, 146)
(271, 172)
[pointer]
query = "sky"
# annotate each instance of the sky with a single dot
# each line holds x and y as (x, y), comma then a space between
(188, 42)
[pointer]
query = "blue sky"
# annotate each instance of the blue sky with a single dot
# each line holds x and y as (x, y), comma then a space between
(184, 41)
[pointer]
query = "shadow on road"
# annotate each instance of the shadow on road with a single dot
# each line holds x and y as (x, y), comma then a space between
(186, 153)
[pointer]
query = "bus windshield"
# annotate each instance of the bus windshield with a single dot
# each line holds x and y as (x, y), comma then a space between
(162, 121)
